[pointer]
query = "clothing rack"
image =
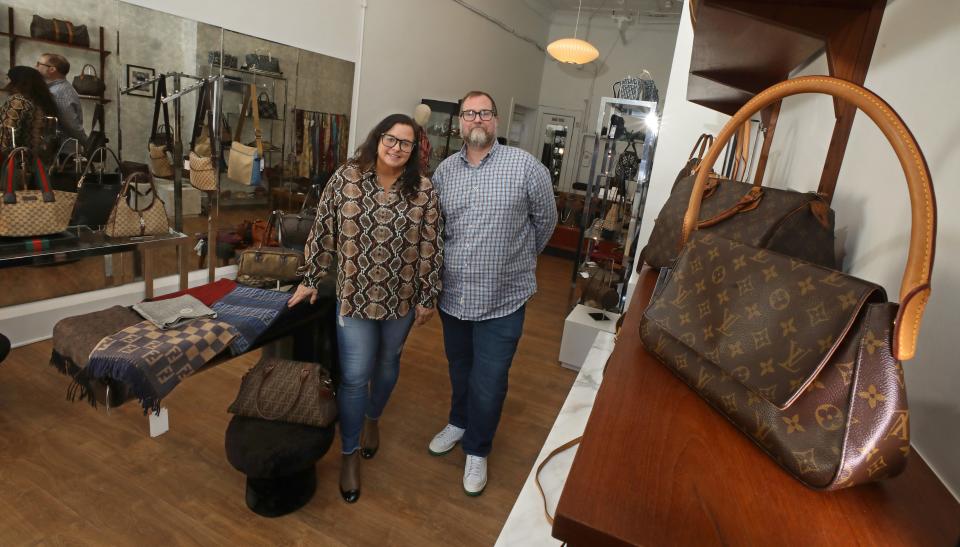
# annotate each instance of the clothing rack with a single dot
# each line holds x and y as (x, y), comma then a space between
(321, 141)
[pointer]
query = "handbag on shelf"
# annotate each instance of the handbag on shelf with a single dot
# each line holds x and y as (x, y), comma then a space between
(59, 30)
(600, 288)
(648, 88)
(628, 164)
(799, 224)
(266, 266)
(97, 190)
(627, 88)
(127, 221)
(245, 163)
(803, 359)
(202, 159)
(160, 146)
(89, 84)
(295, 227)
(31, 212)
(265, 63)
(266, 107)
(287, 391)
(229, 61)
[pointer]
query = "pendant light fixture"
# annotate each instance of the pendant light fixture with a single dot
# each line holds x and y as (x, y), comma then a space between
(573, 50)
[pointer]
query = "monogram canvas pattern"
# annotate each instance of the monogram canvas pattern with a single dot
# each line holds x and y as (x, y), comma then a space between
(797, 356)
(202, 174)
(387, 247)
(31, 216)
(160, 164)
(783, 222)
(124, 221)
(287, 391)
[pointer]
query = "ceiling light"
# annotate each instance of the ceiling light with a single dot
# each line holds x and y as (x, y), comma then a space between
(573, 50)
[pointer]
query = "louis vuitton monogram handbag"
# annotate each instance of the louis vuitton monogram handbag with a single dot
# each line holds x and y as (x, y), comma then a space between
(803, 359)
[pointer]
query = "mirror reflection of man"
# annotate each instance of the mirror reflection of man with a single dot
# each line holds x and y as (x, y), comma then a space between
(54, 69)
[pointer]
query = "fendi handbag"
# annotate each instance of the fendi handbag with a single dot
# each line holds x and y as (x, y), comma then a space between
(137, 221)
(31, 212)
(88, 84)
(59, 30)
(803, 359)
(287, 391)
(799, 224)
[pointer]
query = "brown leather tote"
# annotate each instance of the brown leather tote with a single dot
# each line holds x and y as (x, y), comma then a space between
(798, 224)
(287, 391)
(803, 359)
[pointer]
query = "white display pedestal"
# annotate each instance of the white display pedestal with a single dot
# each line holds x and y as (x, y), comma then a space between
(579, 332)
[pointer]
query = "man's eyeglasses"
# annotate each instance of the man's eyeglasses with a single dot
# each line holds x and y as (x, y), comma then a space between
(44, 64)
(390, 141)
(485, 115)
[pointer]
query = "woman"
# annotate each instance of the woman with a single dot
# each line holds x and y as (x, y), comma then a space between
(380, 220)
(22, 115)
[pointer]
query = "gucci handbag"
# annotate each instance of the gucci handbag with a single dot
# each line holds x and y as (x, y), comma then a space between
(799, 224)
(803, 359)
(31, 212)
(267, 266)
(136, 221)
(244, 164)
(160, 146)
(59, 30)
(287, 391)
(88, 83)
(202, 159)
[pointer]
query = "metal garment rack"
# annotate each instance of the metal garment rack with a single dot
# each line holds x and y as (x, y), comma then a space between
(177, 152)
(605, 149)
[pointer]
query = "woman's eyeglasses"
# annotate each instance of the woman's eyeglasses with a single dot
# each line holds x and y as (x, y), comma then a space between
(390, 141)
(485, 115)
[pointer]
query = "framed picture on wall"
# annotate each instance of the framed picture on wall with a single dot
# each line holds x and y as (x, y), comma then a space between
(139, 74)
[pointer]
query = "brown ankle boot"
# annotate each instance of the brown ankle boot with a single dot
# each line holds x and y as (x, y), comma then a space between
(370, 439)
(350, 477)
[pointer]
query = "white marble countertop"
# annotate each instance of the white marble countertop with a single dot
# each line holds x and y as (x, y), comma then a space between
(527, 524)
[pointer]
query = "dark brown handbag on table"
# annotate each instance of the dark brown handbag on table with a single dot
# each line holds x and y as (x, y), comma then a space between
(287, 391)
(799, 224)
(88, 84)
(268, 266)
(295, 227)
(803, 359)
(59, 30)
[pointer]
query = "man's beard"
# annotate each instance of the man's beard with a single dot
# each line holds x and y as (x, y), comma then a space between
(478, 138)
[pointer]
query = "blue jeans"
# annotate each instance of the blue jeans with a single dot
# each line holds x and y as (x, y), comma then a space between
(479, 354)
(369, 366)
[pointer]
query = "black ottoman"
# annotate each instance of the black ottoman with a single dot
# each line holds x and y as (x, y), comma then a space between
(279, 460)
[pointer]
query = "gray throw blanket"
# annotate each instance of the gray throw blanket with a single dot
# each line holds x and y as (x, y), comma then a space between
(174, 312)
(152, 361)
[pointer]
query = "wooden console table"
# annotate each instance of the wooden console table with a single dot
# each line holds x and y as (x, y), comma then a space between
(658, 466)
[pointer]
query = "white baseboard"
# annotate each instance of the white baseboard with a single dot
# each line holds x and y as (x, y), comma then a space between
(32, 322)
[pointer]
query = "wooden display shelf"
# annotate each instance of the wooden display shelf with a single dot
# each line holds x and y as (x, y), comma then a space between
(56, 43)
(658, 466)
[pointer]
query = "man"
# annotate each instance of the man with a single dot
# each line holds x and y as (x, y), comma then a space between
(54, 69)
(499, 212)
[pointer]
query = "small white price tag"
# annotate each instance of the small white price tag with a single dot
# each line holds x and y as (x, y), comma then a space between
(159, 423)
(186, 165)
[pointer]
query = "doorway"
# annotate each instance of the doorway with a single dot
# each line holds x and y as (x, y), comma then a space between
(557, 136)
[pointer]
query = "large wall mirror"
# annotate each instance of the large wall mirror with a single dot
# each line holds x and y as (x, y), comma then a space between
(302, 99)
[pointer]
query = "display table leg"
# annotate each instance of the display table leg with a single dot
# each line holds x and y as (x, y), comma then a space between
(147, 255)
(184, 251)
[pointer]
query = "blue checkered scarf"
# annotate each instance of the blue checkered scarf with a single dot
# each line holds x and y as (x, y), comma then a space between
(251, 311)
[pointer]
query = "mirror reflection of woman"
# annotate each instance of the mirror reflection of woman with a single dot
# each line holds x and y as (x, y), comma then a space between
(378, 224)
(22, 115)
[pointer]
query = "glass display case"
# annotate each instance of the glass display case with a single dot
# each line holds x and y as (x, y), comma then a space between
(443, 130)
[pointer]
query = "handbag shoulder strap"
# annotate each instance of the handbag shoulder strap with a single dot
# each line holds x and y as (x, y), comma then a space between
(83, 70)
(543, 497)
(256, 121)
(157, 104)
(203, 104)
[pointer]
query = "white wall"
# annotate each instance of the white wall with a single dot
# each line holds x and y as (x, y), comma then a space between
(649, 46)
(437, 49)
(917, 40)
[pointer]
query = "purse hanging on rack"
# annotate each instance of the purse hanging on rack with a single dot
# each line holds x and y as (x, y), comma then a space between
(266, 107)
(203, 157)
(97, 190)
(799, 224)
(31, 212)
(803, 359)
(127, 221)
(245, 163)
(160, 146)
(88, 84)
(628, 164)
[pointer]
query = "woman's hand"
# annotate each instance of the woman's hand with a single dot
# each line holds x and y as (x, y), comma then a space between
(423, 315)
(301, 294)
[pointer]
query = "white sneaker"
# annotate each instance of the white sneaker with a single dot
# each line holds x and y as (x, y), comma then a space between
(444, 441)
(475, 475)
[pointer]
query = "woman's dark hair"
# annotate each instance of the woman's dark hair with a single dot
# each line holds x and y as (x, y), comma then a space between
(28, 82)
(366, 155)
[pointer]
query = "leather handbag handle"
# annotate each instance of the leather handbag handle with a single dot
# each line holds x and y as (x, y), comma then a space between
(915, 286)
(704, 142)
(83, 71)
(304, 374)
(7, 190)
(157, 105)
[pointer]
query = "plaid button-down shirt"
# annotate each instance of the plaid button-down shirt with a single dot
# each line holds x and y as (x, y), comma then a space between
(498, 216)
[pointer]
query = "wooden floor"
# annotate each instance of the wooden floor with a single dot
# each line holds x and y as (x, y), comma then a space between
(71, 474)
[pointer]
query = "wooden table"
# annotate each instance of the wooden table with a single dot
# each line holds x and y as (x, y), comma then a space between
(658, 466)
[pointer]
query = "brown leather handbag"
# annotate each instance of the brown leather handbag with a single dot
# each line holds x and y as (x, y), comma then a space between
(265, 266)
(59, 30)
(799, 224)
(287, 391)
(802, 359)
